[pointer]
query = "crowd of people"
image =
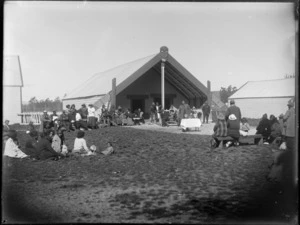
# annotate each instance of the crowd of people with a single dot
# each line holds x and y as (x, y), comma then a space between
(52, 128)
(281, 130)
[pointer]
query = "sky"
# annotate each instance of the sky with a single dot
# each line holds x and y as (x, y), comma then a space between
(62, 44)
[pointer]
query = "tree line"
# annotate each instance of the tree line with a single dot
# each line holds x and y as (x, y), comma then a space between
(35, 105)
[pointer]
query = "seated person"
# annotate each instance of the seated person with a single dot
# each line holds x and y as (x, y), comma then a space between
(138, 117)
(275, 129)
(164, 117)
(233, 130)
(220, 130)
(44, 148)
(30, 145)
(245, 127)
(58, 140)
(264, 128)
(128, 118)
(109, 150)
(116, 117)
(80, 146)
(5, 126)
(11, 146)
(31, 127)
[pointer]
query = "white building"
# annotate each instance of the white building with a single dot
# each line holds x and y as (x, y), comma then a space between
(12, 89)
(268, 96)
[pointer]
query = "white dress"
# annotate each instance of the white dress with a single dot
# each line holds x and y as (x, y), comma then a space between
(12, 150)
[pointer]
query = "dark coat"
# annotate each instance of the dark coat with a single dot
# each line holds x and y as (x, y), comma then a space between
(264, 127)
(234, 110)
(45, 150)
(206, 109)
(233, 128)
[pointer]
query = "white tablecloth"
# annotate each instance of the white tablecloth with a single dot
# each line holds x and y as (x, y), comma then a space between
(190, 123)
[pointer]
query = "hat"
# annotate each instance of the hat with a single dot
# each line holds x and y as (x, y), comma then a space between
(93, 148)
(232, 102)
(221, 116)
(281, 115)
(232, 117)
(291, 103)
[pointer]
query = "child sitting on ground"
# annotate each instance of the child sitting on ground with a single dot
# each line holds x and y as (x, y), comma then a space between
(80, 146)
(109, 150)
(245, 127)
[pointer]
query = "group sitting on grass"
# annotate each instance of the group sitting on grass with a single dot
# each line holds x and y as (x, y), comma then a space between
(50, 144)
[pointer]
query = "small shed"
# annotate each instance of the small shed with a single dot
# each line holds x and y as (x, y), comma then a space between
(12, 89)
(267, 96)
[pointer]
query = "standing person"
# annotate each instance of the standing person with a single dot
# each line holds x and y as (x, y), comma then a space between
(91, 116)
(187, 110)
(72, 117)
(152, 113)
(68, 110)
(45, 121)
(84, 114)
(54, 120)
(282, 128)
(264, 128)
(64, 118)
(78, 119)
(206, 112)
(289, 118)
(157, 111)
(233, 109)
(181, 112)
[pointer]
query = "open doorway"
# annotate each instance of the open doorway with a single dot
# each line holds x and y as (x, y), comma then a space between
(137, 103)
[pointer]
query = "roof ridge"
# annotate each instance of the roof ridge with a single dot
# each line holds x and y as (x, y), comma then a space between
(104, 71)
(272, 79)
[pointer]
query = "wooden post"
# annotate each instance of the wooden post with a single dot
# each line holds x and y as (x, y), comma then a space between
(113, 94)
(209, 93)
(163, 85)
(164, 57)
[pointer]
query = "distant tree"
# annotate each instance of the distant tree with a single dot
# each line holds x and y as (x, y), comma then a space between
(225, 93)
(35, 105)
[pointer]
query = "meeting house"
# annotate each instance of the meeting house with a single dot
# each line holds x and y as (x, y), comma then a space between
(155, 78)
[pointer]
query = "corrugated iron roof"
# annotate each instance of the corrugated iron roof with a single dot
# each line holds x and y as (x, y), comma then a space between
(266, 89)
(12, 75)
(101, 83)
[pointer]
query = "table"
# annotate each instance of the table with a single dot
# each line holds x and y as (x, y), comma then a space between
(191, 123)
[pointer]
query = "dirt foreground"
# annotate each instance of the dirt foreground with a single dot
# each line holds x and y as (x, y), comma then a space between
(154, 177)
